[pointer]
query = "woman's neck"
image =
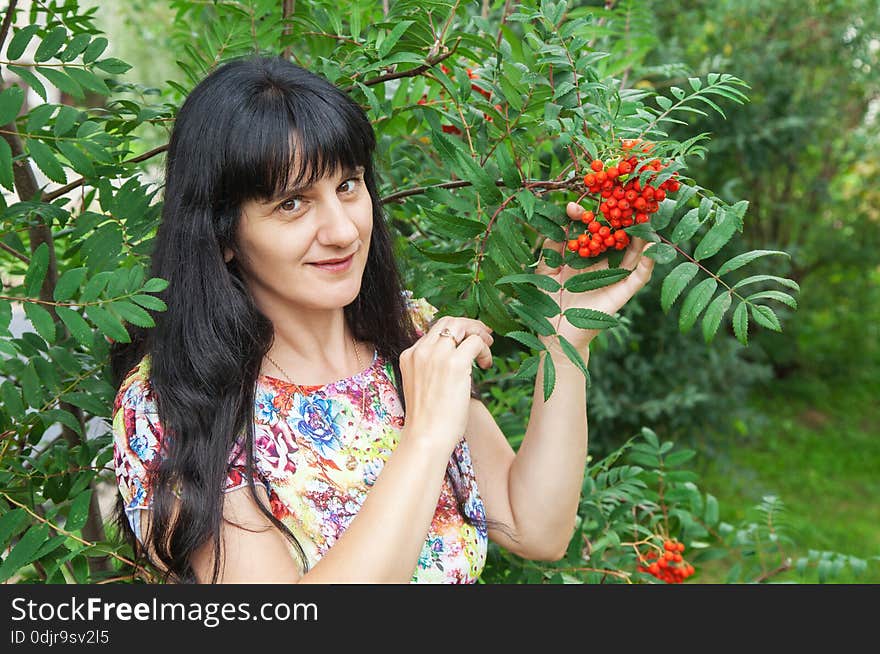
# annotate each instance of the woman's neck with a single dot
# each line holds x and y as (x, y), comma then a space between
(315, 348)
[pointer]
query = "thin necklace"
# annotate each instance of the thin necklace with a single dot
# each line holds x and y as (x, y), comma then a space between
(351, 463)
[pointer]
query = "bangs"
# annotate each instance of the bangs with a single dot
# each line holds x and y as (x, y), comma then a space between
(290, 140)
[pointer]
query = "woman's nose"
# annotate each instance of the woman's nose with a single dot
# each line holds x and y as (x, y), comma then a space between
(337, 224)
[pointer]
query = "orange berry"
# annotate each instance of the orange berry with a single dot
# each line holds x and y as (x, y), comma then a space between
(573, 245)
(597, 165)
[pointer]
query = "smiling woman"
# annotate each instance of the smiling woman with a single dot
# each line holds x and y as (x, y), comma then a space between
(295, 415)
(280, 266)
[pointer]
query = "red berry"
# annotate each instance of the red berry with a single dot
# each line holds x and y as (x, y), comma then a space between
(624, 168)
(589, 179)
(573, 245)
(587, 216)
(597, 165)
(594, 226)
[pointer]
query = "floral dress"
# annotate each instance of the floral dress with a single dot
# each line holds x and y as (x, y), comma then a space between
(316, 470)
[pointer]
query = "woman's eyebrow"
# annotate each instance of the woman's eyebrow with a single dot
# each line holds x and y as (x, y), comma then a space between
(347, 171)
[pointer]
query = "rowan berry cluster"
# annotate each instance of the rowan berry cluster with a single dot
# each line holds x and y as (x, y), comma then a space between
(668, 566)
(623, 201)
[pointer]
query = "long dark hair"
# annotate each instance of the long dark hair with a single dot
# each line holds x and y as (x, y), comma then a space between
(232, 143)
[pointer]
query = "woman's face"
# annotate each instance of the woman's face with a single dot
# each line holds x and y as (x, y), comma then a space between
(281, 241)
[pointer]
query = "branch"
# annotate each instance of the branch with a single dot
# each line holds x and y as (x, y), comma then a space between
(57, 193)
(7, 21)
(412, 72)
(15, 253)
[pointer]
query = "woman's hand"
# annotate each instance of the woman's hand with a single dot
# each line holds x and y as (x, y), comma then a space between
(436, 374)
(609, 299)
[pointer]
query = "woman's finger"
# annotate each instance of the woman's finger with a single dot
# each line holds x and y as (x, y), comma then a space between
(633, 253)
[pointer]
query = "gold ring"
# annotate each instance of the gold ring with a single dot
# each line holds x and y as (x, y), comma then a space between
(445, 332)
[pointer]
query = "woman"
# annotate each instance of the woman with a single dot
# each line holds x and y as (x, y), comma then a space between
(253, 422)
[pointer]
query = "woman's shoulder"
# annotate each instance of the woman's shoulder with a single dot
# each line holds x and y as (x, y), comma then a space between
(135, 389)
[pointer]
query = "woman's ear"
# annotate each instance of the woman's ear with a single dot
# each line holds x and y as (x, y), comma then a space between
(227, 255)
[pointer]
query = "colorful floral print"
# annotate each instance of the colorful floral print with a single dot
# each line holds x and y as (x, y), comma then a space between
(315, 467)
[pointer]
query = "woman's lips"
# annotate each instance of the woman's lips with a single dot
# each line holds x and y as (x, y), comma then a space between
(334, 267)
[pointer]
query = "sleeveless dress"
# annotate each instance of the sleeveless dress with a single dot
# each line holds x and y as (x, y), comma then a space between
(316, 470)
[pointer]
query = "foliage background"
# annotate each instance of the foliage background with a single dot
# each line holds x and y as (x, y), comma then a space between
(784, 429)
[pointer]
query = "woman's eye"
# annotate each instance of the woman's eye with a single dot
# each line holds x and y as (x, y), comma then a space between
(354, 181)
(289, 205)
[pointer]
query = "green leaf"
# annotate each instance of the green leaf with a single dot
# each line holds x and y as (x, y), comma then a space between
(687, 226)
(714, 314)
(23, 552)
(10, 104)
(36, 274)
(677, 458)
(718, 235)
(527, 339)
(528, 368)
(766, 317)
(594, 279)
(590, 319)
(52, 416)
(9, 525)
(549, 376)
(741, 260)
(65, 120)
(675, 282)
(509, 172)
(79, 511)
(785, 298)
(150, 302)
(78, 161)
(11, 397)
(155, 285)
(88, 80)
(46, 161)
(41, 320)
(32, 80)
(389, 41)
(790, 283)
(664, 214)
(662, 253)
(75, 47)
(710, 514)
(7, 177)
(95, 285)
(741, 323)
(697, 299)
(533, 318)
(95, 49)
(51, 44)
(19, 42)
(85, 401)
(39, 116)
(61, 81)
(541, 281)
(69, 283)
(133, 313)
(644, 231)
(460, 256)
(108, 324)
(76, 324)
(574, 356)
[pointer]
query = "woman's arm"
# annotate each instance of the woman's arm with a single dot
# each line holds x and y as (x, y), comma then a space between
(381, 545)
(536, 490)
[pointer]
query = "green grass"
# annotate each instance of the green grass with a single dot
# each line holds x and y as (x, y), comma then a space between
(816, 446)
